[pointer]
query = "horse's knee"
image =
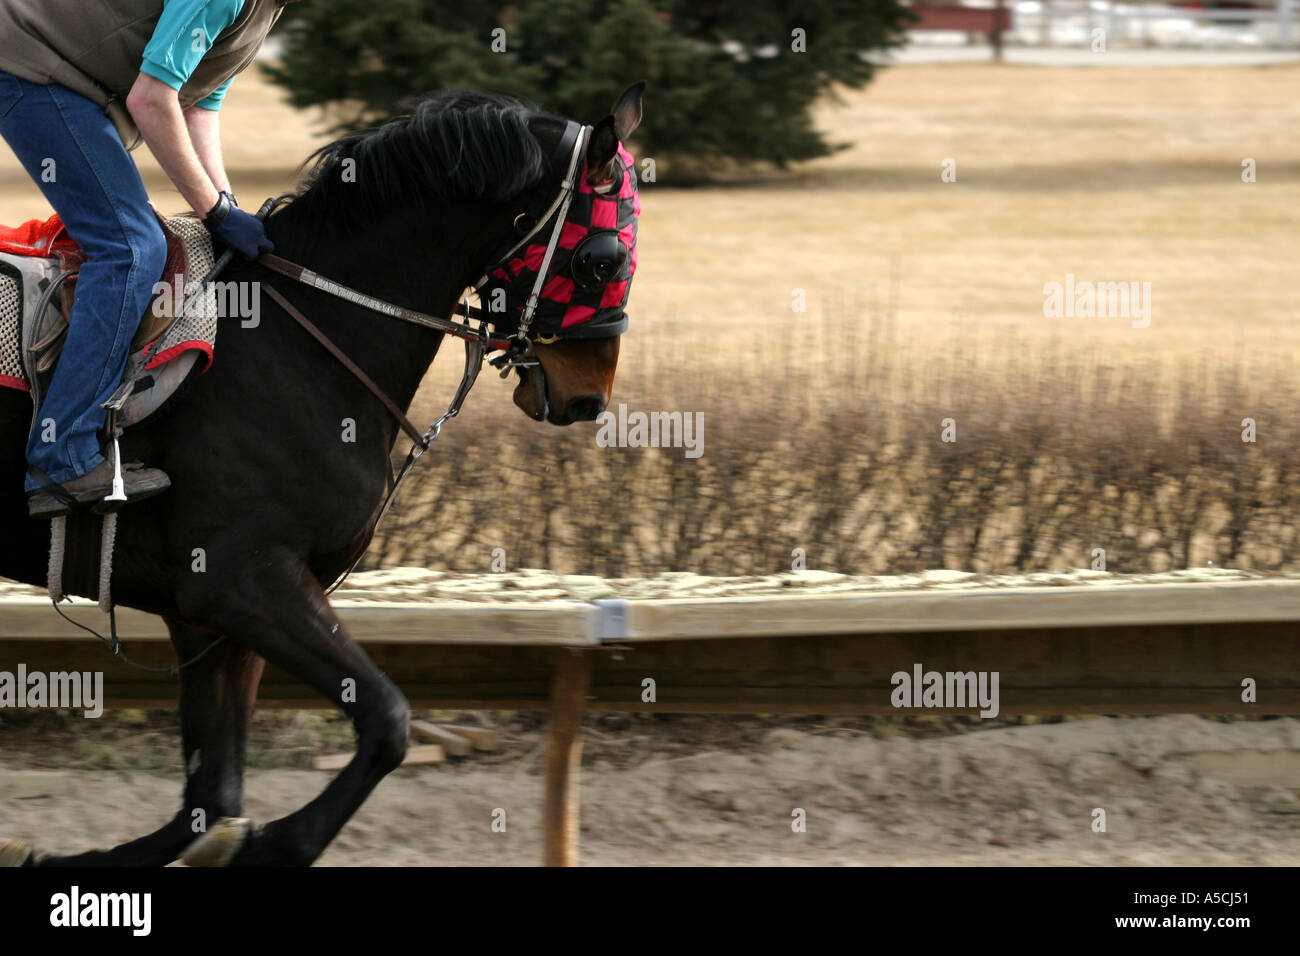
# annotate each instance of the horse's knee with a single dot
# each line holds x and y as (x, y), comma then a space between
(388, 732)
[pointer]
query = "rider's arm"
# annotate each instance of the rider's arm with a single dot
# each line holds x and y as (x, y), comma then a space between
(185, 143)
(157, 112)
(205, 133)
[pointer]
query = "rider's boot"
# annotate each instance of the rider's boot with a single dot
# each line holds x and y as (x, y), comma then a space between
(93, 488)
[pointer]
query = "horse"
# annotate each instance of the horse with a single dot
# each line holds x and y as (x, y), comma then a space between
(264, 485)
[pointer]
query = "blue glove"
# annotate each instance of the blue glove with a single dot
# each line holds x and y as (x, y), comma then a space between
(237, 229)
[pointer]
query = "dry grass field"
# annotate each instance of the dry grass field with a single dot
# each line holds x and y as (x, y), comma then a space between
(924, 302)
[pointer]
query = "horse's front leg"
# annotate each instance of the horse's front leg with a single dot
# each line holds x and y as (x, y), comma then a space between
(216, 699)
(280, 611)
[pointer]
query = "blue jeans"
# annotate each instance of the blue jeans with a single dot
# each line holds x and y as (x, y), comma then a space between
(70, 148)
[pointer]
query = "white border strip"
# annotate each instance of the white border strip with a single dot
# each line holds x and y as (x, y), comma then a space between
(576, 623)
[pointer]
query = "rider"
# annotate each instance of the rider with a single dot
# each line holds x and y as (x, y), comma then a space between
(80, 84)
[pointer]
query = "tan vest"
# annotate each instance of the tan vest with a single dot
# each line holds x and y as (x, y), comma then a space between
(96, 47)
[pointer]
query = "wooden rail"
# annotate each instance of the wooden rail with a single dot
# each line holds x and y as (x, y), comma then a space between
(1080, 649)
(1119, 649)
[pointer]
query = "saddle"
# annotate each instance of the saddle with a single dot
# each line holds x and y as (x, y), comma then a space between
(39, 263)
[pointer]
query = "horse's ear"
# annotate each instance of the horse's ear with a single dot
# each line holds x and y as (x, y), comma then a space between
(627, 111)
(601, 150)
(610, 131)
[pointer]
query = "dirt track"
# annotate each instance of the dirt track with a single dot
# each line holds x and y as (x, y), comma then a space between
(1176, 790)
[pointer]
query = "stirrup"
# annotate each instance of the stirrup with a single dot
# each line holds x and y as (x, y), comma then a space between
(114, 406)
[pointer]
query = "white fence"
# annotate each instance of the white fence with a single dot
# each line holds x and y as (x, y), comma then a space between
(1269, 24)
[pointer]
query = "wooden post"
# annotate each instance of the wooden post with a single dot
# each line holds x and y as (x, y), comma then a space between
(564, 756)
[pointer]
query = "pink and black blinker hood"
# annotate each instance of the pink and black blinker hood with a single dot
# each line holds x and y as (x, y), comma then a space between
(592, 254)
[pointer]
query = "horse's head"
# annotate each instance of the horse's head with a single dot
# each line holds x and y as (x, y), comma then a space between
(537, 213)
(575, 251)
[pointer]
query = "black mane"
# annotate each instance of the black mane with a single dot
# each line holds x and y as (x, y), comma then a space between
(453, 145)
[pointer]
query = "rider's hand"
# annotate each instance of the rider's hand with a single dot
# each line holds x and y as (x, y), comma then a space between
(238, 229)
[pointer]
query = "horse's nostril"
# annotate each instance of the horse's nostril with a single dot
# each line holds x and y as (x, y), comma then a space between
(585, 408)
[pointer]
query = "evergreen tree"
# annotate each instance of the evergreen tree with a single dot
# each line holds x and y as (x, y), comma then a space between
(727, 80)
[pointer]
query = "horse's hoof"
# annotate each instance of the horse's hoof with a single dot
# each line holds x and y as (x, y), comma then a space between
(219, 845)
(17, 853)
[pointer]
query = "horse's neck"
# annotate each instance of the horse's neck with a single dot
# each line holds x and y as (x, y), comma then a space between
(383, 264)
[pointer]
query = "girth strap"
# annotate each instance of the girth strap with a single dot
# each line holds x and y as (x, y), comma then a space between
(351, 366)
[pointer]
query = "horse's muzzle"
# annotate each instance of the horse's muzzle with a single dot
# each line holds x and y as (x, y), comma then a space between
(583, 408)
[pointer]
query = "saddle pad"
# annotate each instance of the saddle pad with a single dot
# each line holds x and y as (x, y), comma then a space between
(11, 358)
(169, 357)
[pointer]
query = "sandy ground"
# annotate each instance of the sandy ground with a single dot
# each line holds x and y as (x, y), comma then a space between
(1175, 791)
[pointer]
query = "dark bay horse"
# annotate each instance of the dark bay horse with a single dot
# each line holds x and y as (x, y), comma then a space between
(263, 480)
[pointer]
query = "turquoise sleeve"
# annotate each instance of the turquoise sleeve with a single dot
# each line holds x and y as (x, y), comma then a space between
(185, 32)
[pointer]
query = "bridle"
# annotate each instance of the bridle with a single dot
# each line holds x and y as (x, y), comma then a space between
(517, 349)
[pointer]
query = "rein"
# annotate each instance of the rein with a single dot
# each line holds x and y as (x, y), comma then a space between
(347, 363)
(478, 342)
(461, 330)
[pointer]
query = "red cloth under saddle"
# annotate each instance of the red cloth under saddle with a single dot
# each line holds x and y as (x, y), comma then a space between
(46, 239)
